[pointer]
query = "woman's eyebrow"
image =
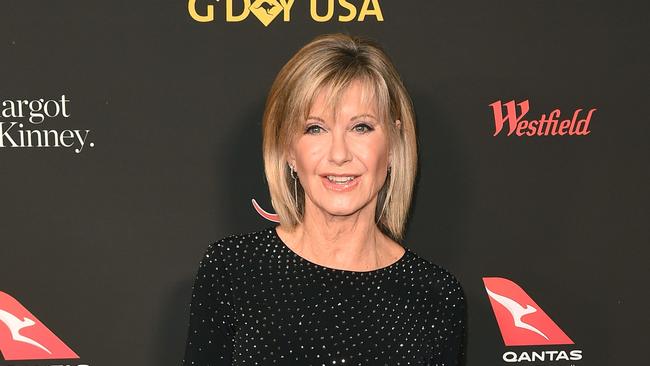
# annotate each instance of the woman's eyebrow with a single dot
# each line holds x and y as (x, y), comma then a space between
(351, 119)
(362, 115)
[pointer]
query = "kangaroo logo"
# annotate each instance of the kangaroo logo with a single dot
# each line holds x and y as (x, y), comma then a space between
(15, 325)
(266, 6)
(24, 337)
(521, 321)
(267, 10)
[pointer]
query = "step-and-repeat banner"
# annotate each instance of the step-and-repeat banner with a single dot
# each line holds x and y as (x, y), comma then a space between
(130, 139)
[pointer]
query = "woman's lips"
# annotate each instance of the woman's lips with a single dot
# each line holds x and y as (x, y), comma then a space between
(340, 187)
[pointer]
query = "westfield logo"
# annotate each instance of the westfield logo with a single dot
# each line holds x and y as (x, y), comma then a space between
(506, 115)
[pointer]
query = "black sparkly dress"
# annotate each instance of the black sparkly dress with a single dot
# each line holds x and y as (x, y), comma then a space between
(257, 302)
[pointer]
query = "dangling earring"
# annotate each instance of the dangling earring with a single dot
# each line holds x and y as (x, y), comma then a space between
(383, 207)
(295, 185)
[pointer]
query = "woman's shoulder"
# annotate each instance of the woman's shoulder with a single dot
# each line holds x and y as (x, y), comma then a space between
(234, 243)
(435, 275)
(231, 250)
(243, 238)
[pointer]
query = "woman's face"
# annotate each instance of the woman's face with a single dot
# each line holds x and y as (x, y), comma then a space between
(341, 159)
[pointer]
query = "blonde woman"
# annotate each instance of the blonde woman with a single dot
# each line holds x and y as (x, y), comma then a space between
(331, 284)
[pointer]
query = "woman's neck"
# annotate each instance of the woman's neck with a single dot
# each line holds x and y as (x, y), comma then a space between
(345, 242)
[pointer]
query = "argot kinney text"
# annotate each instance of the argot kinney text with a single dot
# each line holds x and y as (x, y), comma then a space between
(19, 116)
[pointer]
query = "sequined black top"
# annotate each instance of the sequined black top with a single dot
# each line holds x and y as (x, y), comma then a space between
(257, 302)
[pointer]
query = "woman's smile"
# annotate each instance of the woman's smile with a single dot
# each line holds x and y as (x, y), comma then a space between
(340, 183)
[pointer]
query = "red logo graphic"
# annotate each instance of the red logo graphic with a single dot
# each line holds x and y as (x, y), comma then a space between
(267, 215)
(522, 322)
(544, 126)
(24, 337)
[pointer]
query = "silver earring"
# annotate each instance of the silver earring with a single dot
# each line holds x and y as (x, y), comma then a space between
(295, 185)
(383, 207)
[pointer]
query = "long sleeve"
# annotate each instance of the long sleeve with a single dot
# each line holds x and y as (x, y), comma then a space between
(455, 352)
(451, 334)
(209, 338)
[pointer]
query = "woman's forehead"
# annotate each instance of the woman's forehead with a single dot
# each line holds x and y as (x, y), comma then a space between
(345, 110)
(356, 98)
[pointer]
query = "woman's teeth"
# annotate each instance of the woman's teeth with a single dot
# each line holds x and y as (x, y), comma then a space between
(339, 179)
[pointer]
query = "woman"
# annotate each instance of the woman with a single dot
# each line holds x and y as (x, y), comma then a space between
(330, 285)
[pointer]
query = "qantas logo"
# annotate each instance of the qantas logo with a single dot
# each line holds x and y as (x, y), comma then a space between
(24, 337)
(522, 322)
(265, 214)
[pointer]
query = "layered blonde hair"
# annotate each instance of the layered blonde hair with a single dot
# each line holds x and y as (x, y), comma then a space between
(333, 62)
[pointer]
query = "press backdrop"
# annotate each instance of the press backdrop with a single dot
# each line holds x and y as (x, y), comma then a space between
(156, 110)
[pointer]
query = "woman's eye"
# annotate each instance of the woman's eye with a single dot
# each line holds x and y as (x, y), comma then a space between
(313, 129)
(362, 128)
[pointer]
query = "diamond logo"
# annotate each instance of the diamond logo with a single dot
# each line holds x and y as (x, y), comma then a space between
(266, 10)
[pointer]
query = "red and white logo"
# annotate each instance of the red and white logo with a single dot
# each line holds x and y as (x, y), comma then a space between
(24, 337)
(273, 217)
(522, 322)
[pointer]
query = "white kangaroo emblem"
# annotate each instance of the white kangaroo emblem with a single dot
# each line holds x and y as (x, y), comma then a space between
(517, 311)
(15, 325)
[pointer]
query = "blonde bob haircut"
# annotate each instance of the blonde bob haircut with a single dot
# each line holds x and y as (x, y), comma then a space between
(332, 62)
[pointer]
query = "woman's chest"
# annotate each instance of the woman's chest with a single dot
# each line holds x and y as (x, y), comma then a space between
(315, 323)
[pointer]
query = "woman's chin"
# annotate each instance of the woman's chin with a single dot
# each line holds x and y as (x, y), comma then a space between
(341, 210)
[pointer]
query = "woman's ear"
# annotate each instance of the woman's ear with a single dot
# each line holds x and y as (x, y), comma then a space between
(291, 159)
(398, 123)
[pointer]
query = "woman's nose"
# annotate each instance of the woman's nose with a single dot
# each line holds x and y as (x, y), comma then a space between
(339, 150)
